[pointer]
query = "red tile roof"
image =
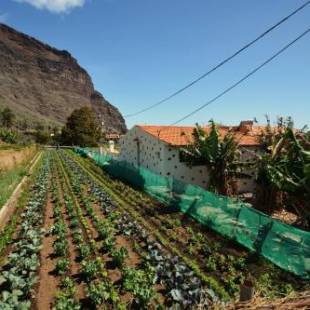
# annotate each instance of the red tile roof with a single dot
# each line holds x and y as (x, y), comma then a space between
(182, 135)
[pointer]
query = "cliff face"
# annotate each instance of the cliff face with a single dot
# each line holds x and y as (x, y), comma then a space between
(39, 82)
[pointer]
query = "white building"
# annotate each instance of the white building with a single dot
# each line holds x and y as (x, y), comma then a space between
(158, 149)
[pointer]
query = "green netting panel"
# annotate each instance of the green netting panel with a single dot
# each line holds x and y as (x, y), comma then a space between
(284, 245)
(100, 159)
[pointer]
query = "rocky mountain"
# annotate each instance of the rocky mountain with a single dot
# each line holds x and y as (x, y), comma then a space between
(43, 84)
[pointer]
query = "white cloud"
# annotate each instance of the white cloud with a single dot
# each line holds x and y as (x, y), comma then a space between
(56, 6)
(3, 17)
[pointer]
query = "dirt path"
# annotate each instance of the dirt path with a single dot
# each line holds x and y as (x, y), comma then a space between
(48, 282)
(10, 206)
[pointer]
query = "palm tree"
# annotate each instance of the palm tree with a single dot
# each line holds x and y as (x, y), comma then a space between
(218, 153)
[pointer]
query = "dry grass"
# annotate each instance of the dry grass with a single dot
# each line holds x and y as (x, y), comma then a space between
(13, 166)
(11, 157)
(300, 301)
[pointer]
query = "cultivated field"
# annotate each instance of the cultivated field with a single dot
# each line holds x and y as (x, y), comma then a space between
(81, 240)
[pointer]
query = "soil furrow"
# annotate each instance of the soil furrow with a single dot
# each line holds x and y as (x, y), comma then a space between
(48, 282)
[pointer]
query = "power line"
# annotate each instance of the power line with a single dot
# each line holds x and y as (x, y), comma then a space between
(220, 64)
(243, 79)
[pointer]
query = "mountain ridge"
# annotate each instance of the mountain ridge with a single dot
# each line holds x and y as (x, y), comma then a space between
(42, 83)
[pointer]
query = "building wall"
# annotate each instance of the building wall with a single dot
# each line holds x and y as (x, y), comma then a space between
(159, 157)
(197, 175)
(164, 160)
(151, 150)
(247, 184)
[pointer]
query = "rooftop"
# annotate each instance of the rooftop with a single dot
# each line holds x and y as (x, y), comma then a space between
(245, 134)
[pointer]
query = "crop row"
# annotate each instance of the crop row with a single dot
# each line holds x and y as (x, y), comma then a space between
(204, 251)
(183, 287)
(102, 244)
(19, 274)
(99, 288)
(137, 280)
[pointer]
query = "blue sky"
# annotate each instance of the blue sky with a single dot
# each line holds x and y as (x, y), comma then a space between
(139, 51)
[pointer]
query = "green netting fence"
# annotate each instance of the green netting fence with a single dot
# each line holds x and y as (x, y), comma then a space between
(284, 245)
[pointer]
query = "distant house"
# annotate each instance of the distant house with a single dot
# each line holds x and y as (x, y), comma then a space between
(112, 136)
(158, 148)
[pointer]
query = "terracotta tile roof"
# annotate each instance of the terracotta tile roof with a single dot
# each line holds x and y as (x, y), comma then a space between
(182, 135)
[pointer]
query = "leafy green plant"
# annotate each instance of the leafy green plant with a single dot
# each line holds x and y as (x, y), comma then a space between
(61, 247)
(119, 256)
(108, 243)
(140, 284)
(77, 237)
(10, 300)
(104, 231)
(211, 263)
(62, 266)
(90, 269)
(59, 229)
(83, 250)
(74, 222)
(99, 291)
(66, 302)
(112, 216)
(8, 136)
(68, 285)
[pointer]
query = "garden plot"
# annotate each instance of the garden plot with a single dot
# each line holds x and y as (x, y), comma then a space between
(177, 283)
(207, 253)
(19, 273)
(80, 240)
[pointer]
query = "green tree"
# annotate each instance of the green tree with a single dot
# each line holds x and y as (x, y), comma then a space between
(218, 154)
(7, 117)
(82, 128)
(42, 137)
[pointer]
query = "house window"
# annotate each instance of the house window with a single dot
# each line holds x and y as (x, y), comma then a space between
(184, 157)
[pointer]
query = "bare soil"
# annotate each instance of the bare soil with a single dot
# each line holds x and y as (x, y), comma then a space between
(47, 281)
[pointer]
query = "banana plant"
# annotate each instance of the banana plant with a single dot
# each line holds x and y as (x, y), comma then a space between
(284, 171)
(218, 154)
